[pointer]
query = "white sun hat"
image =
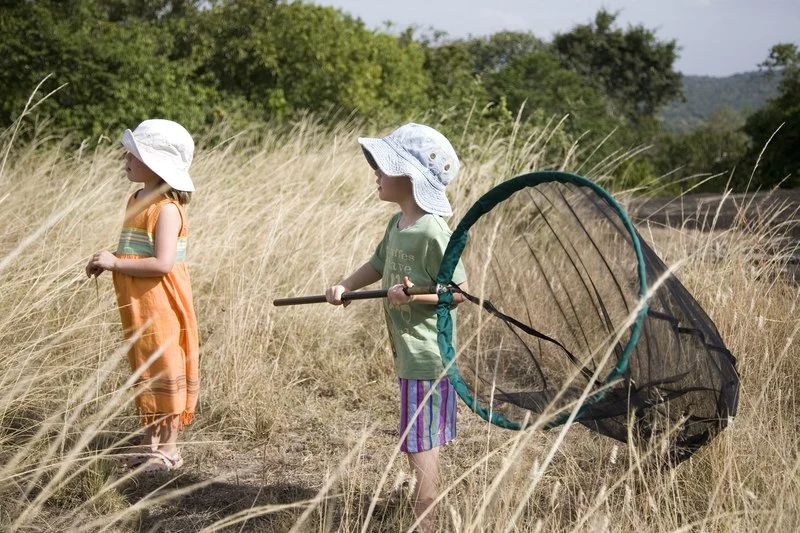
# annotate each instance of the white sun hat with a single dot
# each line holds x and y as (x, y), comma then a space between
(421, 153)
(166, 148)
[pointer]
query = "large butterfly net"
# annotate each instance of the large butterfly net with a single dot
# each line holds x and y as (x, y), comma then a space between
(558, 277)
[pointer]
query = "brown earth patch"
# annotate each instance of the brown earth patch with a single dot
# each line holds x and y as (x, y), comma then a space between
(774, 215)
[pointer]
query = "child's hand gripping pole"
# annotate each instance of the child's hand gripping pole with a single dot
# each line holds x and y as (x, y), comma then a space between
(358, 295)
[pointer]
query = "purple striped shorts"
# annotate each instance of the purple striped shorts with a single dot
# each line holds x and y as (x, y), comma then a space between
(435, 425)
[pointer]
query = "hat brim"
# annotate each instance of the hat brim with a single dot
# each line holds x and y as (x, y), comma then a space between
(428, 192)
(129, 142)
(175, 178)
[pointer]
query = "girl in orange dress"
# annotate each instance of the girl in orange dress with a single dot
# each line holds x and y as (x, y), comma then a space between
(154, 294)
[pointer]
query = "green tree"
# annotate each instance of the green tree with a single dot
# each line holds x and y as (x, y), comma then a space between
(538, 82)
(455, 91)
(780, 121)
(493, 53)
(717, 146)
(287, 57)
(631, 66)
(114, 74)
(149, 10)
(508, 72)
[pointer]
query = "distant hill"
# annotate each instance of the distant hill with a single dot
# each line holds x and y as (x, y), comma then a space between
(743, 93)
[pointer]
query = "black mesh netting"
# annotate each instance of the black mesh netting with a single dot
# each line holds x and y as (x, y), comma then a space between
(559, 274)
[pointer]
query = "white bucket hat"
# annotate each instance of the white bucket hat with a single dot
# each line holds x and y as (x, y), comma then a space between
(421, 153)
(166, 148)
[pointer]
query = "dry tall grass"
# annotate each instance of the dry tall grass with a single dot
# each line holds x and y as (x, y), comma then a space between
(297, 419)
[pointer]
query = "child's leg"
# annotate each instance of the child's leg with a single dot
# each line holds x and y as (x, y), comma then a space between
(140, 452)
(433, 426)
(150, 441)
(166, 437)
(159, 436)
(426, 469)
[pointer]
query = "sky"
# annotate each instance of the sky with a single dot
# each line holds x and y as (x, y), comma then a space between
(716, 37)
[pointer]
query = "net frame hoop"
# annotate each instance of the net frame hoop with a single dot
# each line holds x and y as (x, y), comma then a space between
(455, 248)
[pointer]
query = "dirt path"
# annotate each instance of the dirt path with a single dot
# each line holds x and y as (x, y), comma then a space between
(775, 215)
(712, 211)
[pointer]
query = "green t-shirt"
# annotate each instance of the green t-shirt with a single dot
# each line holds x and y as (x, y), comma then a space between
(416, 252)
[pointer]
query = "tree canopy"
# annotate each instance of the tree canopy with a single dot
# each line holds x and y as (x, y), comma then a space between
(775, 128)
(632, 67)
(113, 63)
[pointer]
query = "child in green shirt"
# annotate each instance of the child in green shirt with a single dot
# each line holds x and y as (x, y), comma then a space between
(413, 166)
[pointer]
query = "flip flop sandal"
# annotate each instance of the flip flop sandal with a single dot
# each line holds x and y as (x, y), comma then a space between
(158, 461)
(133, 453)
(135, 460)
(130, 460)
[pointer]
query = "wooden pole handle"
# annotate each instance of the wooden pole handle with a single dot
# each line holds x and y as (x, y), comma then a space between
(349, 296)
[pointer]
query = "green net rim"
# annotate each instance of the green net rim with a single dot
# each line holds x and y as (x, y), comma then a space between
(452, 254)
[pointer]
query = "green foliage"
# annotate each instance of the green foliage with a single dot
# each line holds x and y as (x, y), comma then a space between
(632, 67)
(114, 75)
(246, 62)
(149, 10)
(716, 147)
(778, 123)
(538, 82)
(498, 51)
(509, 76)
(288, 58)
(327, 60)
(454, 86)
(236, 61)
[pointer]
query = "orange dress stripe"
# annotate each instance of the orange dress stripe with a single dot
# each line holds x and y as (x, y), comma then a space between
(159, 313)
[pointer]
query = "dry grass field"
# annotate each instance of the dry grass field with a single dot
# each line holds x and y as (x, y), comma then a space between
(296, 428)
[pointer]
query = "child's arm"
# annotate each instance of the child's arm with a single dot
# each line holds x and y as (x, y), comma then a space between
(363, 276)
(167, 229)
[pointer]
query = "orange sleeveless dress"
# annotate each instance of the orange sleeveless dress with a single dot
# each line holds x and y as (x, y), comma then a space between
(158, 312)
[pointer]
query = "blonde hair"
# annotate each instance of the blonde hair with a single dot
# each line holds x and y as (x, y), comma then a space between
(182, 197)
